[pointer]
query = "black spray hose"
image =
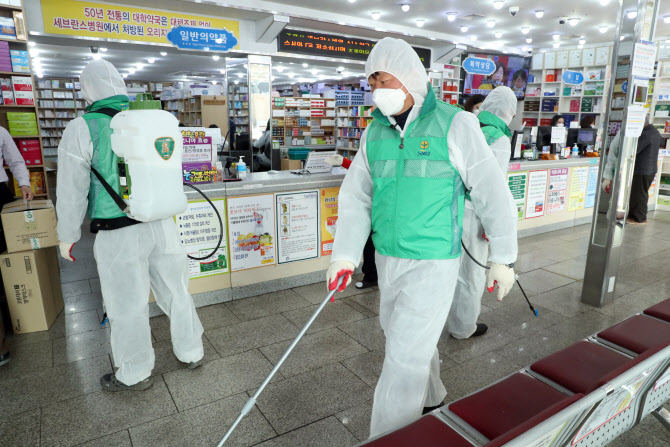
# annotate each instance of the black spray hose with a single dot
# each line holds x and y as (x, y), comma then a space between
(104, 317)
(516, 277)
(220, 225)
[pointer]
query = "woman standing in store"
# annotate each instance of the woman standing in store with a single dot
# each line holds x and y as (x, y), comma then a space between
(587, 122)
(11, 155)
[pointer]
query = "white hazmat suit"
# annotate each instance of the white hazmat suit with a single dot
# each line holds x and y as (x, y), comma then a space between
(416, 294)
(131, 260)
(462, 321)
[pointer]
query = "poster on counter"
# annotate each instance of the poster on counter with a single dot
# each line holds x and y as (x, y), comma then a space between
(578, 188)
(251, 230)
(613, 405)
(199, 231)
(297, 226)
(517, 185)
(197, 146)
(329, 206)
(537, 193)
(592, 187)
(558, 185)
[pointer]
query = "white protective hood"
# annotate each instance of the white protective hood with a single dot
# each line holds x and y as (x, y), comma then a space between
(101, 80)
(502, 103)
(397, 57)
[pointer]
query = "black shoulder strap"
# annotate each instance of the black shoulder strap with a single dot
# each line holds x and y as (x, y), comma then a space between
(115, 195)
(482, 125)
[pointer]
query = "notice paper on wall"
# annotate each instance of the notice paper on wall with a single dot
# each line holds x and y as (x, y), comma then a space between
(251, 230)
(297, 226)
(199, 232)
(592, 187)
(644, 59)
(578, 188)
(329, 204)
(558, 184)
(537, 193)
(635, 121)
(558, 135)
(517, 185)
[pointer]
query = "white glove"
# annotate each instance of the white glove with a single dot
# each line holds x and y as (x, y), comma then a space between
(334, 160)
(607, 184)
(503, 276)
(339, 269)
(66, 251)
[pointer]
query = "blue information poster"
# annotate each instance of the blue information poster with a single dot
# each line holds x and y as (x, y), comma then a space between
(592, 187)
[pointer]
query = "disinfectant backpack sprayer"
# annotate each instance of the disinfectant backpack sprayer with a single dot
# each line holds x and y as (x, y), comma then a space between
(149, 147)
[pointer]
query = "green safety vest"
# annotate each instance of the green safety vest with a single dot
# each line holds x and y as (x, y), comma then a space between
(104, 160)
(418, 198)
(493, 128)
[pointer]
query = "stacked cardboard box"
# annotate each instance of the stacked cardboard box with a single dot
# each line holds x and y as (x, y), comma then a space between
(5, 59)
(20, 61)
(30, 150)
(21, 124)
(23, 91)
(7, 91)
(30, 265)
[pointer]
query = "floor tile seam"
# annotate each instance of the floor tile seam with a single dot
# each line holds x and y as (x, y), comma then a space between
(290, 431)
(104, 436)
(174, 402)
(341, 362)
(40, 371)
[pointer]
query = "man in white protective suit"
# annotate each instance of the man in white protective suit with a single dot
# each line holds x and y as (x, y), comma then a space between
(495, 115)
(132, 257)
(407, 183)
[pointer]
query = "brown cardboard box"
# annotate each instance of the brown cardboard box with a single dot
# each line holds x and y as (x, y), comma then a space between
(32, 285)
(290, 165)
(29, 226)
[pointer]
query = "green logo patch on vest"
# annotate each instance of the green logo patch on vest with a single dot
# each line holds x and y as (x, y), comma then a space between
(165, 147)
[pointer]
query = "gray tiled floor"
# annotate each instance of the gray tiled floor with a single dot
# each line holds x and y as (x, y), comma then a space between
(50, 395)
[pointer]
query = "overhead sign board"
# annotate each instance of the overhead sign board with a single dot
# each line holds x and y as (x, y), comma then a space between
(206, 39)
(105, 20)
(332, 45)
(479, 66)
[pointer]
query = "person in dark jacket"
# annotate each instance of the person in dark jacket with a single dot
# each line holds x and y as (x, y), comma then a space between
(646, 165)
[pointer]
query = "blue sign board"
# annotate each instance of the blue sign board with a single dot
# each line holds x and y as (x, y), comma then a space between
(624, 86)
(194, 38)
(479, 66)
(573, 77)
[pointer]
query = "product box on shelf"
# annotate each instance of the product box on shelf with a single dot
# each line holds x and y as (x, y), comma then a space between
(7, 28)
(21, 116)
(24, 98)
(17, 68)
(32, 286)
(29, 226)
(8, 97)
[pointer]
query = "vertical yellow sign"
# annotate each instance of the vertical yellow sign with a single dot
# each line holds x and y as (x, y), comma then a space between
(328, 219)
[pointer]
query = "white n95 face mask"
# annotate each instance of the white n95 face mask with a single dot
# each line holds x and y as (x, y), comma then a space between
(476, 112)
(389, 100)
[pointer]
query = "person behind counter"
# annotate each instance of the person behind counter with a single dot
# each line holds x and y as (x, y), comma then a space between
(558, 121)
(587, 122)
(473, 103)
(10, 153)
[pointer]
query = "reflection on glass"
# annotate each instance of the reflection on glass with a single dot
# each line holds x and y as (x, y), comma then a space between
(238, 103)
(617, 152)
(261, 101)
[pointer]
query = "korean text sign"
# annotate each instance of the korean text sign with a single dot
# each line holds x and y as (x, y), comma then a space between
(88, 19)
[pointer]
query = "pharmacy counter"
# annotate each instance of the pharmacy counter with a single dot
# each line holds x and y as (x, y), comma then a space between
(553, 194)
(275, 235)
(278, 227)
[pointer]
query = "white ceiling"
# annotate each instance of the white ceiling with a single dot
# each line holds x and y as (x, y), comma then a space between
(67, 61)
(63, 57)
